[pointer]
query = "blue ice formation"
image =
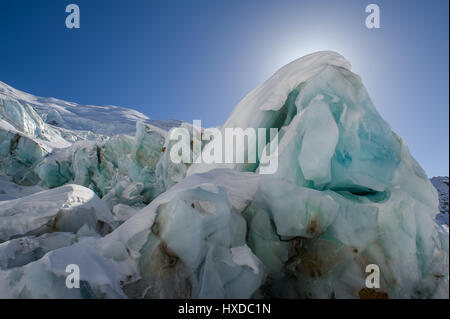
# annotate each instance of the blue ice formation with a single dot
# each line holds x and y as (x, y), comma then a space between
(347, 194)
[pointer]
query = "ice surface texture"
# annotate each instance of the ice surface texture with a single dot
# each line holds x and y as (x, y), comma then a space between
(347, 193)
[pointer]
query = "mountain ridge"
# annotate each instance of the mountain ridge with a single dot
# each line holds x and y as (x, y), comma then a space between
(107, 120)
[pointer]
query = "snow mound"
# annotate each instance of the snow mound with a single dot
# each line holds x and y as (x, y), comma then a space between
(64, 209)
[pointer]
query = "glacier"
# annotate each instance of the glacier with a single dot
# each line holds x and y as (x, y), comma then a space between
(95, 187)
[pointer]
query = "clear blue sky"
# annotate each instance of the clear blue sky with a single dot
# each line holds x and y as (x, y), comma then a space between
(196, 59)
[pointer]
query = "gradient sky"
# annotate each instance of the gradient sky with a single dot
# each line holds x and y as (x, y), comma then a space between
(196, 59)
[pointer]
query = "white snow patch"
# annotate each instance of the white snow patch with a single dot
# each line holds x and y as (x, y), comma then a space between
(243, 256)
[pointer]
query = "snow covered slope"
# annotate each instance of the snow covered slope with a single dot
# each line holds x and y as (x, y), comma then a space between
(67, 208)
(107, 120)
(10, 190)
